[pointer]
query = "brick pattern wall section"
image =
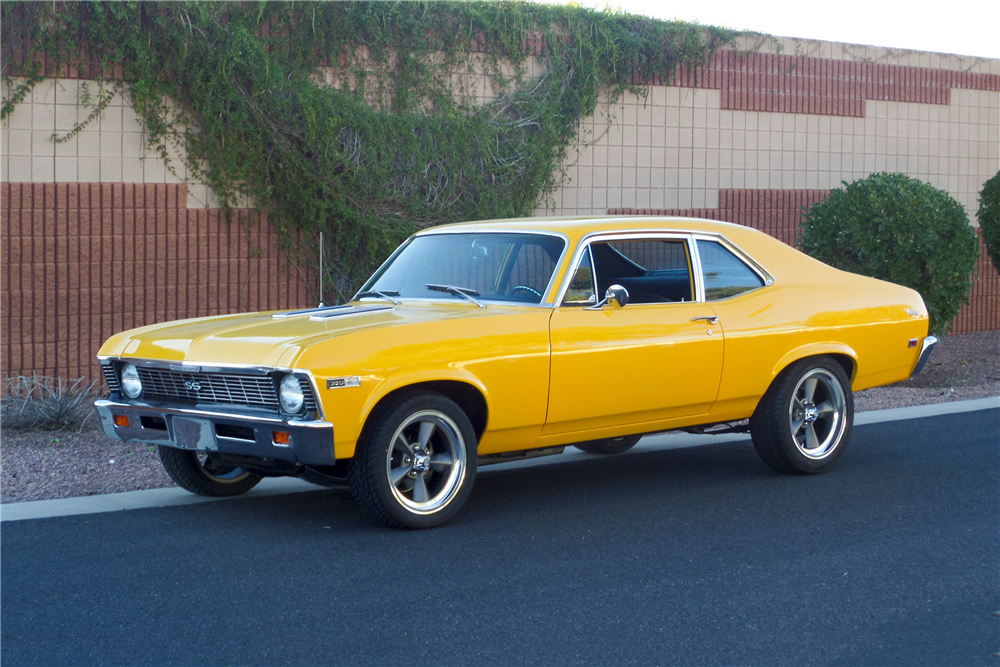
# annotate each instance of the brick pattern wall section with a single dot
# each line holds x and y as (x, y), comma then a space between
(778, 213)
(802, 84)
(83, 261)
(982, 313)
(774, 212)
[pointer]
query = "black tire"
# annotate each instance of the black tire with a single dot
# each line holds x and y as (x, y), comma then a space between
(803, 423)
(415, 463)
(205, 476)
(609, 445)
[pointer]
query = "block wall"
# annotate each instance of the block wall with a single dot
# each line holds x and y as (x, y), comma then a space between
(99, 234)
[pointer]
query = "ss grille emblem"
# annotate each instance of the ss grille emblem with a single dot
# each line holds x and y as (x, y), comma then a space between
(192, 385)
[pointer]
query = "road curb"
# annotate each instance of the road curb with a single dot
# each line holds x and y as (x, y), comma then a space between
(115, 502)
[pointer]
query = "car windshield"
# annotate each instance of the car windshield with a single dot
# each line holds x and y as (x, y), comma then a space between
(488, 266)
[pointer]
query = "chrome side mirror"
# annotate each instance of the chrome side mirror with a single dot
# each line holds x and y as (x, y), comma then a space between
(616, 296)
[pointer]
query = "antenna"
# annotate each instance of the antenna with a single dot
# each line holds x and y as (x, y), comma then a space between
(321, 269)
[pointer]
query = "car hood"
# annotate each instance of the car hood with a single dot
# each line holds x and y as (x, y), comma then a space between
(265, 340)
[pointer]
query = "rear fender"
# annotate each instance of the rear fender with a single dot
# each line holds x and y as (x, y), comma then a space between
(816, 349)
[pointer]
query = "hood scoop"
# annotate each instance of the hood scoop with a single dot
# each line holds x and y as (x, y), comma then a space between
(346, 311)
(330, 312)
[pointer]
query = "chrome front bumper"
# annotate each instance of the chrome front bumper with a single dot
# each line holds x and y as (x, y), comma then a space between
(310, 442)
(925, 353)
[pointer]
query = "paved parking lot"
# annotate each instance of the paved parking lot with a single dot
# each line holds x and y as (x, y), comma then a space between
(686, 556)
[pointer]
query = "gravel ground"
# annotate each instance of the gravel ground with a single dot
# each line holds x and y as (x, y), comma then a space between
(38, 465)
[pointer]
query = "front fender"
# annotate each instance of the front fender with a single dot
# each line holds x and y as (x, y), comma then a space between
(402, 381)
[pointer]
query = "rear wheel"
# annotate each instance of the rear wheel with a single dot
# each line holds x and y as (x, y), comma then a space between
(803, 423)
(416, 462)
(204, 474)
(609, 445)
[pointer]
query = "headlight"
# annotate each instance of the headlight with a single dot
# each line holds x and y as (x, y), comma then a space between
(131, 384)
(291, 394)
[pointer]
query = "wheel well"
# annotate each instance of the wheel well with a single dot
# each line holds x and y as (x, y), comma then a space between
(468, 397)
(847, 363)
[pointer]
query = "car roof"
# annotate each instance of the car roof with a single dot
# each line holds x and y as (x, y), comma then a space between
(578, 227)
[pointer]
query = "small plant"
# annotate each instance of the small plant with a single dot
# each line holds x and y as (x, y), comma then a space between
(989, 218)
(46, 403)
(896, 228)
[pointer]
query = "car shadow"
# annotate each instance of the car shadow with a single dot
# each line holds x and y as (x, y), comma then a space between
(617, 484)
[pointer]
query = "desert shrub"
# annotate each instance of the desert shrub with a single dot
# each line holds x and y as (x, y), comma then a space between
(896, 228)
(46, 403)
(989, 218)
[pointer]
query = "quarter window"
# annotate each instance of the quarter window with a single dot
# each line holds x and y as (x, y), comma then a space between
(725, 274)
(581, 288)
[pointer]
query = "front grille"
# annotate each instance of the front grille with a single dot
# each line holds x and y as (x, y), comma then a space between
(111, 378)
(231, 389)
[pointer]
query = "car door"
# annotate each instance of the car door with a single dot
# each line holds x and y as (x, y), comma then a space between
(657, 358)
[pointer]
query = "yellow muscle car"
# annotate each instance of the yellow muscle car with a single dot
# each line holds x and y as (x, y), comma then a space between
(485, 342)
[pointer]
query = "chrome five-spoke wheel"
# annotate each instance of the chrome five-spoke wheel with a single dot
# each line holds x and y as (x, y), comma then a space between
(803, 423)
(426, 462)
(415, 462)
(816, 413)
(203, 473)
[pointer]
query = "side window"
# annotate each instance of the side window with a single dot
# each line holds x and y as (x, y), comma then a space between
(725, 274)
(652, 270)
(581, 288)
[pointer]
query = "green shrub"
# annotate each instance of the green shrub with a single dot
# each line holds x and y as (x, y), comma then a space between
(989, 218)
(896, 228)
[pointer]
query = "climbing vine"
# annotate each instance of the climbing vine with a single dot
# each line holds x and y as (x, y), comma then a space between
(364, 120)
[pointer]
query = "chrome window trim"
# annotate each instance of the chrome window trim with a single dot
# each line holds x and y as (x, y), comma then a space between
(245, 369)
(467, 230)
(749, 261)
(699, 275)
(446, 302)
(621, 235)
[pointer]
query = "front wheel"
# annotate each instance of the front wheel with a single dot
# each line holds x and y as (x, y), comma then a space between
(609, 445)
(204, 474)
(803, 423)
(415, 463)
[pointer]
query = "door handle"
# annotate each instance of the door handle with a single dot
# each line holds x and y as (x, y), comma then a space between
(711, 319)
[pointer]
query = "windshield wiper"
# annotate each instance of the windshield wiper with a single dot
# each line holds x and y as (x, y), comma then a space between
(383, 294)
(463, 292)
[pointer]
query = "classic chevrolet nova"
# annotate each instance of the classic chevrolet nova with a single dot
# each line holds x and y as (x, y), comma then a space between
(485, 342)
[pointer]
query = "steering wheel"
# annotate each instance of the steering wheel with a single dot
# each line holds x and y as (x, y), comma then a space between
(527, 289)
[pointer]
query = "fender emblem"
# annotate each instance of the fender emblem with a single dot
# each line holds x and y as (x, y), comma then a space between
(337, 383)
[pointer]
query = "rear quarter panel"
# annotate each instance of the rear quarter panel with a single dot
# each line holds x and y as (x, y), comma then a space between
(812, 309)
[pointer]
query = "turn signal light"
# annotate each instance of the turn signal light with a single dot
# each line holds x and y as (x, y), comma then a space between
(121, 420)
(281, 437)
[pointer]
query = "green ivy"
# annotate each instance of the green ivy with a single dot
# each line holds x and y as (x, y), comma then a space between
(989, 218)
(897, 228)
(393, 146)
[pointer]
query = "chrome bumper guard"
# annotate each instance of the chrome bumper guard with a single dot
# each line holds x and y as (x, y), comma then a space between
(310, 442)
(925, 353)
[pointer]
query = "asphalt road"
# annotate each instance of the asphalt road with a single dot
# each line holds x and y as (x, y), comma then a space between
(690, 556)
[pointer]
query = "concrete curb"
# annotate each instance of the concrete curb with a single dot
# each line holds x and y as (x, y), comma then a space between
(114, 502)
